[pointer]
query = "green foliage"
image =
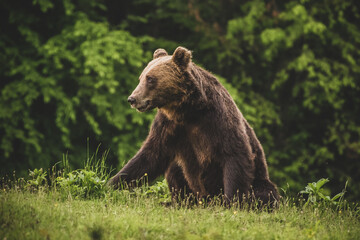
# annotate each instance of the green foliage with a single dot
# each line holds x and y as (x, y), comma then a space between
(316, 194)
(61, 87)
(86, 183)
(160, 190)
(38, 178)
(81, 184)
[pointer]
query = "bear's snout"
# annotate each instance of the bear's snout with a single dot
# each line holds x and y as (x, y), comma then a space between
(131, 100)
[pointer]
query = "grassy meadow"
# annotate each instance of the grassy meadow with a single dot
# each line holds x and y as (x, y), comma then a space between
(33, 209)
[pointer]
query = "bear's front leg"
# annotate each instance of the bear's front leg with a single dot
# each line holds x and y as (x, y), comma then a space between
(146, 162)
(152, 159)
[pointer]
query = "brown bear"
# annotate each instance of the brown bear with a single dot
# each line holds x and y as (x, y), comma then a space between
(199, 139)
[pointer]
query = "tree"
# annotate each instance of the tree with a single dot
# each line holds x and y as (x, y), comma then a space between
(66, 74)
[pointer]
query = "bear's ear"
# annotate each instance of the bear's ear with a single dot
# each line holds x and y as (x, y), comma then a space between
(159, 53)
(181, 57)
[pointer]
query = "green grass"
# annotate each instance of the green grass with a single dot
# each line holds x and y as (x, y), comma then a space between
(61, 203)
(46, 214)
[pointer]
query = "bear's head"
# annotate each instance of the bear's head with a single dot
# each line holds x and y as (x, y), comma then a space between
(163, 82)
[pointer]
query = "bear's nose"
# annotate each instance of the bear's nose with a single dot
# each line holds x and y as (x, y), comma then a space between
(131, 100)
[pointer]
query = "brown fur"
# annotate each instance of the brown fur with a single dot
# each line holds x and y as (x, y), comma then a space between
(199, 139)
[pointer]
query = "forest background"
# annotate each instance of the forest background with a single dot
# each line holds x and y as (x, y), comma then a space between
(293, 68)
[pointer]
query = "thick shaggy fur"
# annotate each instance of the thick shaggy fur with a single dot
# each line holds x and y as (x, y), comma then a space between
(199, 139)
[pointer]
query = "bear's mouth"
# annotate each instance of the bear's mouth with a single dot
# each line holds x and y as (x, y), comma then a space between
(146, 107)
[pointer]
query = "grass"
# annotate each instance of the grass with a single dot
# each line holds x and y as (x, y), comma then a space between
(45, 214)
(66, 204)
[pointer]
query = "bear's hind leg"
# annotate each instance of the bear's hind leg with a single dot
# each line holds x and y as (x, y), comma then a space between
(265, 192)
(237, 182)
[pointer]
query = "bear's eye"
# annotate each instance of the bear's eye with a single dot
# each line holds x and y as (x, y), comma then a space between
(150, 80)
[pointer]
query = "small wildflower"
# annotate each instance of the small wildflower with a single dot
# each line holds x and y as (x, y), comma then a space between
(55, 204)
(145, 174)
(200, 202)
(235, 212)
(340, 212)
